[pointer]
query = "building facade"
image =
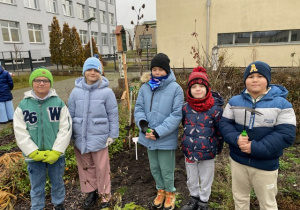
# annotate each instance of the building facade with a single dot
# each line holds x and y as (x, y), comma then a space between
(241, 31)
(25, 25)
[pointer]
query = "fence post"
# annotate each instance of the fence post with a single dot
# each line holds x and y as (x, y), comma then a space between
(12, 59)
(148, 55)
(114, 49)
(30, 60)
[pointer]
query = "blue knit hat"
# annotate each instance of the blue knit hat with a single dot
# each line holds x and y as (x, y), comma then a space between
(258, 67)
(92, 63)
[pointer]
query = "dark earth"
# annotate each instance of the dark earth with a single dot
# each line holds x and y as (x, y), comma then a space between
(131, 175)
(132, 181)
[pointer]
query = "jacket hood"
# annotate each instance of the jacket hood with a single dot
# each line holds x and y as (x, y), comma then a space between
(1, 70)
(147, 76)
(28, 94)
(276, 91)
(219, 101)
(81, 83)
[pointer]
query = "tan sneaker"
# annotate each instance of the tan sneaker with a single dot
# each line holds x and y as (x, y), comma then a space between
(170, 200)
(159, 200)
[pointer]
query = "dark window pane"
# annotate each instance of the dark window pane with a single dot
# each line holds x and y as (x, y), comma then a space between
(225, 39)
(242, 38)
(270, 36)
(295, 35)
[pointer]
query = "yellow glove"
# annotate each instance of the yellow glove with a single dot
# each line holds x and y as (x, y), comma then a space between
(52, 157)
(37, 155)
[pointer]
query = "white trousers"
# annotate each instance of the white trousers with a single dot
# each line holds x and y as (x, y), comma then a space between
(200, 176)
(264, 184)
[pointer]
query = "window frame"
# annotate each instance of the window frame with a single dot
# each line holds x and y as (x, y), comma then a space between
(280, 37)
(102, 16)
(81, 11)
(6, 1)
(104, 40)
(67, 4)
(34, 33)
(51, 6)
(9, 28)
(27, 4)
(83, 35)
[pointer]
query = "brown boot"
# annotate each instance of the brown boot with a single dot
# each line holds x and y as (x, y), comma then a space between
(170, 201)
(159, 200)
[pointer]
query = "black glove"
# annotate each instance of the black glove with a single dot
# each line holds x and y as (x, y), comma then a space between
(144, 126)
(155, 134)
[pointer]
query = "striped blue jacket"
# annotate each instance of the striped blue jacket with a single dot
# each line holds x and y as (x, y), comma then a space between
(270, 133)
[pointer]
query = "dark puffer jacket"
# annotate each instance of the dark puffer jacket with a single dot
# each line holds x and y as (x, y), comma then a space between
(6, 85)
(201, 139)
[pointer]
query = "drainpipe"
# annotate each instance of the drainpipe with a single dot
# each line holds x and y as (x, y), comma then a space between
(208, 3)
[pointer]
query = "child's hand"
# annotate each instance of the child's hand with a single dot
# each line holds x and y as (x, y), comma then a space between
(109, 141)
(38, 155)
(242, 140)
(52, 157)
(246, 148)
(150, 135)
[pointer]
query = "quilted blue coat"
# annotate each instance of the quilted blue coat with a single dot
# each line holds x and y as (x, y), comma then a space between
(94, 112)
(6, 85)
(162, 109)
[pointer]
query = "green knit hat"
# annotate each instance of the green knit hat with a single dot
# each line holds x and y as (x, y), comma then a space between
(41, 72)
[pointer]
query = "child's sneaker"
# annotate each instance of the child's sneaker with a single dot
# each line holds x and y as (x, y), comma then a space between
(159, 200)
(202, 205)
(170, 201)
(192, 204)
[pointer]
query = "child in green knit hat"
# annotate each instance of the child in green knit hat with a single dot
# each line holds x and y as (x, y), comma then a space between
(43, 127)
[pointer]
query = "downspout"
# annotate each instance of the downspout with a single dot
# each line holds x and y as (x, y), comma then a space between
(208, 3)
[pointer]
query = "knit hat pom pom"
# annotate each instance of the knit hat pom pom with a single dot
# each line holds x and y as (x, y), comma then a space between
(199, 69)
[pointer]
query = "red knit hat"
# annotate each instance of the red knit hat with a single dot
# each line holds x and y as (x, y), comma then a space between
(198, 76)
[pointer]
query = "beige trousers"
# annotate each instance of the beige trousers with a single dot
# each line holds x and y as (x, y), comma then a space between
(263, 182)
(94, 172)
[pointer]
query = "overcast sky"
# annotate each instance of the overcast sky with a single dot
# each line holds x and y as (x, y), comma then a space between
(125, 14)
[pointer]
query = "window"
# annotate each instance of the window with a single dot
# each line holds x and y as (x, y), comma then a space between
(10, 31)
(35, 33)
(95, 37)
(67, 7)
(92, 12)
(102, 16)
(270, 36)
(30, 4)
(49, 30)
(7, 1)
(80, 11)
(51, 6)
(259, 37)
(104, 38)
(295, 35)
(112, 39)
(111, 18)
(241, 38)
(225, 39)
(83, 36)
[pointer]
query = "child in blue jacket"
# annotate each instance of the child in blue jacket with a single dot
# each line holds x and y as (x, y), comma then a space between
(6, 104)
(254, 157)
(94, 111)
(158, 107)
(201, 139)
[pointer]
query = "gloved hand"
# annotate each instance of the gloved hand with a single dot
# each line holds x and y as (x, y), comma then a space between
(52, 157)
(144, 126)
(109, 141)
(37, 155)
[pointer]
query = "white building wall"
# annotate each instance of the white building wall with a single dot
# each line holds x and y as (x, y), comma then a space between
(16, 12)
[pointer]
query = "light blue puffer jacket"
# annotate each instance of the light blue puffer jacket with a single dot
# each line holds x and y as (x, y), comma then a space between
(94, 112)
(162, 110)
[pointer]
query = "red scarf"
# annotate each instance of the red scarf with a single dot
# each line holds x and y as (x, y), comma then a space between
(201, 105)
